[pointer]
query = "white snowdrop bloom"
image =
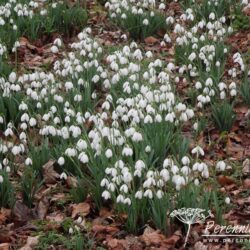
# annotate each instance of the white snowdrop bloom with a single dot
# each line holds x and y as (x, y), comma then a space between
(198, 85)
(145, 22)
(71, 231)
(124, 188)
(58, 42)
(170, 20)
(185, 160)
(221, 166)
(32, 122)
(165, 175)
(127, 201)
(69, 86)
(159, 194)
(127, 151)
(148, 193)
(28, 162)
(138, 195)
(192, 56)
(61, 161)
(63, 176)
(227, 200)
(108, 153)
(137, 137)
(111, 187)
(79, 220)
(120, 198)
(104, 183)
(1, 179)
(71, 152)
(198, 150)
(81, 145)
(83, 157)
(196, 182)
(54, 49)
(8, 132)
(1, 119)
(7, 169)
(233, 92)
(148, 149)
(106, 195)
(12, 77)
(196, 126)
(212, 16)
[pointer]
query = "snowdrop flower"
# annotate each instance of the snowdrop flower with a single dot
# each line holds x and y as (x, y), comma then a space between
(108, 153)
(145, 22)
(54, 49)
(12, 77)
(221, 166)
(61, 161)
(28, 162)
(185, 160)
(106, 195)
(198, 150)
(148, 193)
(1, 179)
(83, 157)
(63, 176)
(138, 195)
(227, 200)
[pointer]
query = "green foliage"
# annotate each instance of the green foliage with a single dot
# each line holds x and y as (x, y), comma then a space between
(240, 21)
(62, 18)
(29, 186)
(245, 90)
(39, 155)
(80, 192)
(223, 116)
(7, 198)
(133, 23)
(77, 241)
(159, 136)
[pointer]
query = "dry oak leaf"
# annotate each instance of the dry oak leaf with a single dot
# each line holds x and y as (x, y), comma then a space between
(4, 246)
(155, 238)
(246, 166)
(42, 208)
(105, 229)
(4, 214)
(31, 243)
(82, 209)
(116, 244)
(246, 183)
(150, 40)
(49, 174)
(243, 201)
(56, 217)
(225, 180)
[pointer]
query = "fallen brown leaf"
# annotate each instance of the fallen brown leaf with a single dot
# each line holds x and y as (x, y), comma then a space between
(49, 174)
(153, 239)
(4, 214)
(105, 229)
(21, 213)
(55, 217)
(82, 209)
(42, 208)
(4, 246)
(246, 166)
(31, 243)
(150, 40)
(225, 180)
